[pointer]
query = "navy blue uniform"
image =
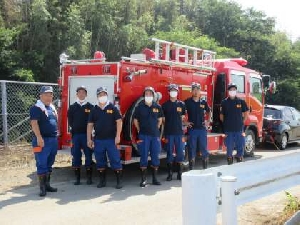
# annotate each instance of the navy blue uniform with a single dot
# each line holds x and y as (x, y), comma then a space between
(173, 112)
(148, 116)
(233, 126)
(47, 121)
(197, 133)
(78, 117)
(105, 126)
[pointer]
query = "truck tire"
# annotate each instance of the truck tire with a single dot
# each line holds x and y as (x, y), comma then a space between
(249, 143)
(282, 144)
(129, 131)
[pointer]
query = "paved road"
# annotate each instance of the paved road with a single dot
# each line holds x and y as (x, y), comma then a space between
(89, 205)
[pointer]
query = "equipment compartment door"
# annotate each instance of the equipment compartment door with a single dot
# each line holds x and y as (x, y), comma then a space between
(91, 83)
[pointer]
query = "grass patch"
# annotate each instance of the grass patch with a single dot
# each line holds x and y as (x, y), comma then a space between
(292, 206)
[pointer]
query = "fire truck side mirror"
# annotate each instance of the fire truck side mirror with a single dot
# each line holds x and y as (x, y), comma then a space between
(266, 79)
(272, 88)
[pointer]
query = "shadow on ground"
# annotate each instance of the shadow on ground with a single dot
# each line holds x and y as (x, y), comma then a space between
(62, 178)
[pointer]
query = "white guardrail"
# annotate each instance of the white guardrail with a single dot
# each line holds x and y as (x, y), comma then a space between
(206, 192)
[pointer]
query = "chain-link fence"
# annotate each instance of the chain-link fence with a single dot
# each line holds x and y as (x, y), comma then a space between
(16, 98)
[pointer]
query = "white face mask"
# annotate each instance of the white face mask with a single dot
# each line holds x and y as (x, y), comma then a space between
(148, 99)
(102, 99)
(232, 93)
(81, 101)
(173, 94)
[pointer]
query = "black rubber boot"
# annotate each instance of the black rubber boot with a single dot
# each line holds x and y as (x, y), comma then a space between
(48, 187)
(192, 164)
(144, 178)
(42, 181)
(154, 177)
(239, 159)
(119, 176)
(102, 182)
(179, 173)
(230, 160)
(204, 163)
(89, 172)
(77, 176)
(170, 171)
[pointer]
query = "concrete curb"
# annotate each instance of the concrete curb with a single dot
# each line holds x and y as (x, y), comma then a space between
(295, 220)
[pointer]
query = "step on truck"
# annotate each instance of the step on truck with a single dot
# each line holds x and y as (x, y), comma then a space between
(168, 63)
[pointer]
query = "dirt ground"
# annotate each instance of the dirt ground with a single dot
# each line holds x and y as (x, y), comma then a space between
(17, 170)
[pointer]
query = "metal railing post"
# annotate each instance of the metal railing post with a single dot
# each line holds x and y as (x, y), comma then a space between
(199, 205)
(4, 113)
(229, 205)
(157, 50)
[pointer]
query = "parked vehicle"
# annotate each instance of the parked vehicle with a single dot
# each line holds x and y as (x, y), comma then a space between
(168, 63)
(281, 125)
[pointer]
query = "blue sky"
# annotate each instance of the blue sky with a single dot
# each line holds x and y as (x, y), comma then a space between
(286, 13)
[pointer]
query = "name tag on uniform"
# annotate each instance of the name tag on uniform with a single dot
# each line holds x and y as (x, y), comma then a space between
(179, 109)
(202, 106)
(87, 110)
(155, 110)
(239, 106)
(110, 111)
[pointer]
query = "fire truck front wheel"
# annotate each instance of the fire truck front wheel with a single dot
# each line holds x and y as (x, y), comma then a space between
(249, 143)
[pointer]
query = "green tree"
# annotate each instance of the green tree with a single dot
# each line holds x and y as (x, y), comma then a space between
(165, 12)
(281, 66)
(78, 42)
(36, 40)
(288, 94)
(194, 38)
(7, 53)
(34, 33)
(295, 55)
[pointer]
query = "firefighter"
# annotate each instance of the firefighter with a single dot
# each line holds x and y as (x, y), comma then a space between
(106, 119)
(43, 119)
(233, 113)
(196, 110)
(78, 114)
(147, 120)
(174, 111)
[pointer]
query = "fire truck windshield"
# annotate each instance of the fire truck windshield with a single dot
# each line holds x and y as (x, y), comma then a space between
(256, 87)
(238, 77)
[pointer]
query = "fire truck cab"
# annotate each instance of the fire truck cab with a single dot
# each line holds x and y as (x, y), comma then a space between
(168, 63)
(249, 87)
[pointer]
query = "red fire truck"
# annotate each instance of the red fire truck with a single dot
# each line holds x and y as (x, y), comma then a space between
(168, 63)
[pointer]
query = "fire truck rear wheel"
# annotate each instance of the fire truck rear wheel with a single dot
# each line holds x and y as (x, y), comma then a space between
(128, 126)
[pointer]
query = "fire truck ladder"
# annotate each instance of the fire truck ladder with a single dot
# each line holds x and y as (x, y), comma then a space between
(201, 59)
